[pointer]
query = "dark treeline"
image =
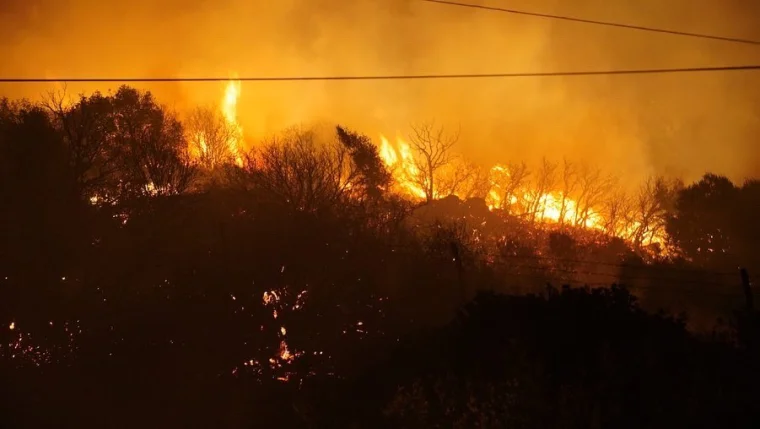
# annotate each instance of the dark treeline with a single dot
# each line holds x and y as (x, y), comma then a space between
(145, 285)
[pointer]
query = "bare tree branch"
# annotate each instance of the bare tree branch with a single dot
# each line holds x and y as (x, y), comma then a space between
(433, 151)
(304, 173)
(650, 210)
(545, 182)
(616, 209)
(209, 136)
(88, 131)
(593, 186)
(569, 184)
(461, 178)
(150, 147)
(510, 180)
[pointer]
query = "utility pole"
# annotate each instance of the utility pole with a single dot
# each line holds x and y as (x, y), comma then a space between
(750, 319)
(747, 287)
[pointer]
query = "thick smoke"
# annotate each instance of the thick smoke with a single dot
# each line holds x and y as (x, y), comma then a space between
(675, 124)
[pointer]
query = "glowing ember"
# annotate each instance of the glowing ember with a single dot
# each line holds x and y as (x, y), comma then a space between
(23, 350)
(285, 353)
(270, 298)
(284, 357)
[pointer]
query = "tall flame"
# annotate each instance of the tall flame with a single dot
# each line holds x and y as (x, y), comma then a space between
(229, 110)
(400, 161)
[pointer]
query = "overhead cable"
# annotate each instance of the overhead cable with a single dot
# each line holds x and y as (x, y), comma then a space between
(385, 77)
(595, 22)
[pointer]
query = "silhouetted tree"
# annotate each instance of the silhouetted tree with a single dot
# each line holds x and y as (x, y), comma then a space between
(616, 210)
(650, 209)
(432, 147)
(463, 179)
(509, 180)
(544, 183)
(308, 174)
(150, 146)
(704, 224)
(88, 131)
(46, 222)
(373, 177)
(569, 183)
(593, 187)
(209, 135)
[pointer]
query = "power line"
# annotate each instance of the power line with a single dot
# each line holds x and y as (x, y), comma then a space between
(595, 22)
(385, 77)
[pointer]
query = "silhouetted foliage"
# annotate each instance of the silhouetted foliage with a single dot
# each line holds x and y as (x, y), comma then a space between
(150, 146)
(374, 177)
(306, 173)
(706, 225)
(87, 128)
(570, 358)
(145, 285)
(432, 145)
(209, 136)
(44, 221)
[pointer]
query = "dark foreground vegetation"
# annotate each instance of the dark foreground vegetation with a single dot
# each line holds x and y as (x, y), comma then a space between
(142, 288)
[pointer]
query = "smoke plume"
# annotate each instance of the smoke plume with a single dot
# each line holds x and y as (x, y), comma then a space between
(675, 124)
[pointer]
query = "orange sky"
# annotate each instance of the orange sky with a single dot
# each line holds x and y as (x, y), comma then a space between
(676, 124)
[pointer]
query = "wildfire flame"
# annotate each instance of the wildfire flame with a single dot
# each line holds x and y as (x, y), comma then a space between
(228, 109)
(411, 181)
(400, 161)
(548, 207)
